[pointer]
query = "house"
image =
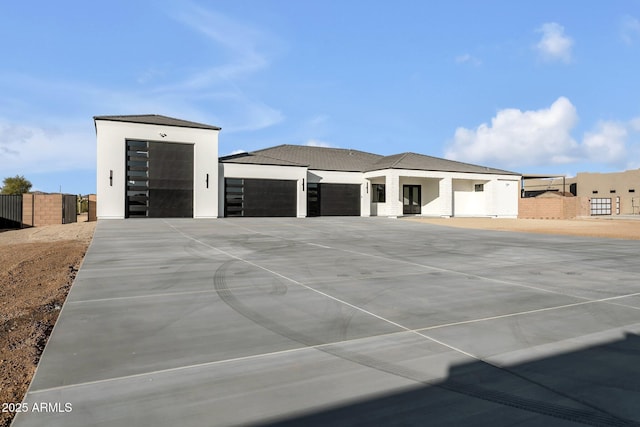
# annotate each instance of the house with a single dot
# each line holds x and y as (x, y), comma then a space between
(157, 166)
(612, 193)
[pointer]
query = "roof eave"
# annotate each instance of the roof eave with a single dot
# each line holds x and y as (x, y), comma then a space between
(189, 125)
(446, 170)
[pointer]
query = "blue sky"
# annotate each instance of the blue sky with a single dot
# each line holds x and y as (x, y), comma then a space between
(530, 86)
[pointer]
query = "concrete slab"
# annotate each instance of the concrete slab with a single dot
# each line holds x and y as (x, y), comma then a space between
(341, 321)
(432, 299)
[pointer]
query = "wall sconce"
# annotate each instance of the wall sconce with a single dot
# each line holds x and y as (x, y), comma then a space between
(302, 184)
(110, 178)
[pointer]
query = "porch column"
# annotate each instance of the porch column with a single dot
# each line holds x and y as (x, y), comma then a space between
(394, 194)
(446, 196)
(365, 198)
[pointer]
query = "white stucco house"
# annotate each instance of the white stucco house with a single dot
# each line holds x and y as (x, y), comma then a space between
(158, 166)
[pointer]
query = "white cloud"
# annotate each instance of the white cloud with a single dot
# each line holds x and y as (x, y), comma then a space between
(237, 51)
(240, 151)
(554, 44)
(28, 149)
(246, 47)
(317, 143)
(630, 29)
(607, 144)
(518, 138)
(317, 121)
(468, 59)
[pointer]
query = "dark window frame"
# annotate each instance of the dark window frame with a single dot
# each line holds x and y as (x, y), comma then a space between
(378, 193)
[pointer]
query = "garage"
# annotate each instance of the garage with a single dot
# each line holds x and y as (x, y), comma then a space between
(260, 197)
(152, 166)
(159, 180)
(333, 199)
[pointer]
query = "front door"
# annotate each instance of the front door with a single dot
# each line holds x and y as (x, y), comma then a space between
(411, 199)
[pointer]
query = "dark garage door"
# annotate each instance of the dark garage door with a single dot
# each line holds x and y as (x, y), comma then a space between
(159, 179)
(333, 200)
(260, 197)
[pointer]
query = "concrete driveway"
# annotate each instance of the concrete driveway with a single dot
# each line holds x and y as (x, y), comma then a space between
(342, 321)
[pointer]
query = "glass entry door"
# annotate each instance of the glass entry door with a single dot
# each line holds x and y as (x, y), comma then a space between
(411, 200)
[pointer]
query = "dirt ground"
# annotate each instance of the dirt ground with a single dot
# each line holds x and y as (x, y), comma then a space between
(37, 267)
(591, 227)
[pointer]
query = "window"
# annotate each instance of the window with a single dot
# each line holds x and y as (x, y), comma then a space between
(612, 191)
(595, 192)
(378, 195)
(478, 187)
(632, 190)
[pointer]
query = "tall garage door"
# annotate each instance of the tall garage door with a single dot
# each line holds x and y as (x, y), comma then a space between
(159, 180)
(333, 200)
(260, 197)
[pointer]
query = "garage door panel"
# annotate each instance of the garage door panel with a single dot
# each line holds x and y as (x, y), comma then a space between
(269, 197)
(260, 198)
(159, 179)
(170, 203)
(171, 165)
(170, 180)
(339, 199)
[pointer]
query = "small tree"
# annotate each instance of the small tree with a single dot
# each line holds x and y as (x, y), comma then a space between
(15, 185)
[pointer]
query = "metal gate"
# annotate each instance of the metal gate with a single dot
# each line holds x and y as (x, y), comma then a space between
(601, 206)
(69, 208)
(10, 211)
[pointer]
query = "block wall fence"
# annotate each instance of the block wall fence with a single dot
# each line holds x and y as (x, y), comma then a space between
(553, 207)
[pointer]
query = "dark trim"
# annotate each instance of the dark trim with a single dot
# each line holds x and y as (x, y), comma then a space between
(146, 119)
(411, 208)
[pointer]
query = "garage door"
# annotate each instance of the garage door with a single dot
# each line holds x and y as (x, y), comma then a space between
(601, 206)
(159, 180)
(333, 200)
(260, 197)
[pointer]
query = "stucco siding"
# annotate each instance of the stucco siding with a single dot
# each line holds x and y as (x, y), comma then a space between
(111, 163)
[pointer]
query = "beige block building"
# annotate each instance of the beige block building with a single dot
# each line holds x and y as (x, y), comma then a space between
(615, 193)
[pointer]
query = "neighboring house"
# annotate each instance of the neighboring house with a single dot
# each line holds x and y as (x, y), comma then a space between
(158, 166)
(614, 193)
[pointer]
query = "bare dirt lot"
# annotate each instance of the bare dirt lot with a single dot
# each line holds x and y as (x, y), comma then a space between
(37, 268)
(591, 227)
